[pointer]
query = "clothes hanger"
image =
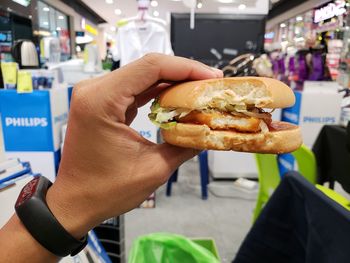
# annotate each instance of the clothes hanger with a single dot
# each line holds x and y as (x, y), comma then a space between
(143, 16)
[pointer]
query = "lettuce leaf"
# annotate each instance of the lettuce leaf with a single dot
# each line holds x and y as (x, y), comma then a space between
(164, 125)
(164, 118)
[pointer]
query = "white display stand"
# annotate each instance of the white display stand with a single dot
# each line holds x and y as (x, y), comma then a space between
(231, 165)
(317, 105)
(320, 106)
(73, 71)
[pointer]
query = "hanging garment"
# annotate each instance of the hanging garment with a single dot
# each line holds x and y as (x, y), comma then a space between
(134, 41)
(302, 67)
(317, 72)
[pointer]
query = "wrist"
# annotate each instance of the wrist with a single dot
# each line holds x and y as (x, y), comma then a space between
(64, 206)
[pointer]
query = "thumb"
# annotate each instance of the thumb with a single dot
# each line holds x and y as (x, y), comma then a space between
(171, 157)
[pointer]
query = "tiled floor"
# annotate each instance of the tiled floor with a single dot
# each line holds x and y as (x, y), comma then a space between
(226, 220)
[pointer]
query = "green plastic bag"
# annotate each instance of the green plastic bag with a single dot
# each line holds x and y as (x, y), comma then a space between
(169, 248)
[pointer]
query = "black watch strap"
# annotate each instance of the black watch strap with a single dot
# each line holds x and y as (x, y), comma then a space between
(32, 210)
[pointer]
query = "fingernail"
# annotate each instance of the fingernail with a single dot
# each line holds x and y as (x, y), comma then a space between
(218, 72)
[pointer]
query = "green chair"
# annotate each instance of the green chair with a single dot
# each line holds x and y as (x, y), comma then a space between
(306, 163)
(335, 196)
(269, 177)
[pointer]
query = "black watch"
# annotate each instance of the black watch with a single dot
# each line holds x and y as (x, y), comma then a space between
(32, 210)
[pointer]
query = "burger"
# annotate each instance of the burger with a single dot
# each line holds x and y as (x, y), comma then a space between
(227, 114)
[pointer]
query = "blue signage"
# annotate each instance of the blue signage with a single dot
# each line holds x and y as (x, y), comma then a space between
(26, 121)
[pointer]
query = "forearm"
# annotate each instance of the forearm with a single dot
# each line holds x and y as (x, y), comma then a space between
(17, 245)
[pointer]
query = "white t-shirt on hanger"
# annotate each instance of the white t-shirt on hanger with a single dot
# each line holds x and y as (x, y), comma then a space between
(135, 40)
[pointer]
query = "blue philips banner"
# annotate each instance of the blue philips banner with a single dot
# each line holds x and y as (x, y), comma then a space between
(292, 115)
(31, 125)
(26, 121)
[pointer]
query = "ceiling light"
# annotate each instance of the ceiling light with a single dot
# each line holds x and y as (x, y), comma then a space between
(242, 6)
(225, 1)
(109, 2)
(117, 11)
(61, 17)
(299, 18)
(283, 25)
(46, 9)
(112, 28)
(154, 3)
(155, 13)
(199, 5)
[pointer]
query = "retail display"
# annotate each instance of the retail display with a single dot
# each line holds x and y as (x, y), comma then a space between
(12, 169)
(285, 90)
(25, 54)
(37, 79)
(226, 114)
(9, 74)
(111, 234)
(31, 126)
(92, 59)
(50, 50)
(309, 118)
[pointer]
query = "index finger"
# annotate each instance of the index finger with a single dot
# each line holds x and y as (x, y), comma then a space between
(138, 76)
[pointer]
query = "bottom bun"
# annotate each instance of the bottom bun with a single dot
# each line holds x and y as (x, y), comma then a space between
(284, 138)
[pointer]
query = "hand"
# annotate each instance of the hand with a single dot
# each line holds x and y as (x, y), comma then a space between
(107, 168)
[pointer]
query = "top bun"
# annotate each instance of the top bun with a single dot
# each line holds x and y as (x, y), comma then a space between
(218, 93)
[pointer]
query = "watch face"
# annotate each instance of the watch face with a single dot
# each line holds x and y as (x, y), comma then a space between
(28, 191)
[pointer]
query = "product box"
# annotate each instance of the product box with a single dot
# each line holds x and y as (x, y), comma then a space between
(143, 125)
(2, 148)
(31, 126)
(317, 105)
(9, 74)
